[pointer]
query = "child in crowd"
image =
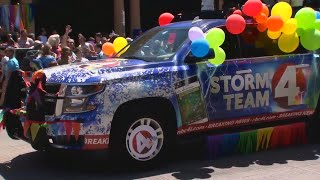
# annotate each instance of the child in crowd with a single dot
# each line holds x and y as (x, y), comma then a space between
(79, 55)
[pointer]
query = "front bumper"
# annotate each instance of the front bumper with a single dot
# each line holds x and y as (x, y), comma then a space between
(62, 135)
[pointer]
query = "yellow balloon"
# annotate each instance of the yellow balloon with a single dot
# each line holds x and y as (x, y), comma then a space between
(282, 9)
(119, 43)
(288, 43)
(290, 26)
(274, 35)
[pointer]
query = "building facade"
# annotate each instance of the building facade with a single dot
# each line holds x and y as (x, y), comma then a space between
(123, 16)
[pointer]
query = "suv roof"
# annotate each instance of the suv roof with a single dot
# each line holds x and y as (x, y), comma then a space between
(199, 23)
(203, 23)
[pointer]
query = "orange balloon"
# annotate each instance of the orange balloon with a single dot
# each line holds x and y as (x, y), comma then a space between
(265, 10)
(275, 23)
(108, 49)
(262, 27)
(261, 18)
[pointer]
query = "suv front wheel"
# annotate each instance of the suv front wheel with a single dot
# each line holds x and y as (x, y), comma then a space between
(142, 138)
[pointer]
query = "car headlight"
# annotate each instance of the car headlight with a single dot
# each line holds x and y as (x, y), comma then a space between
(84, 90)
(76, 98)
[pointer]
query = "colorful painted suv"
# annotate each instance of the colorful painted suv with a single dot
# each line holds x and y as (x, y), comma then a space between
(137, 105)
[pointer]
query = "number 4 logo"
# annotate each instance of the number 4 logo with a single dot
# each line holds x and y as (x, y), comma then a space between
(143, 142)
(289, 84)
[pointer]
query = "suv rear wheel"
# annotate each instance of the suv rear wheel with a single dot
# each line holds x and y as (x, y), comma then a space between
(313, 125)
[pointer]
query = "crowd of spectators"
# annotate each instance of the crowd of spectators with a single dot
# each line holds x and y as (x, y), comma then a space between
(46, 51)
(55, 49)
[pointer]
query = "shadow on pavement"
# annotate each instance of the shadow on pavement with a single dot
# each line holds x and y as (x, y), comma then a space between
(188, 164)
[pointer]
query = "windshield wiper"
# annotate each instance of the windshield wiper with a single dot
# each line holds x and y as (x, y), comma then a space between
(134, 57)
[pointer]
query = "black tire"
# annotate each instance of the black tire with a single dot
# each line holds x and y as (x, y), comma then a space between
(41, 142)
(13, 125)
(121, 125)
(313, 127)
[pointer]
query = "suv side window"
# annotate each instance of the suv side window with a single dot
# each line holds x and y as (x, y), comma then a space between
(257, 44)
(231, 45)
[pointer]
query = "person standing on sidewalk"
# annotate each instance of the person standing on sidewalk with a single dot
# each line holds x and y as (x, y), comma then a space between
(10, 66)
(4, 62)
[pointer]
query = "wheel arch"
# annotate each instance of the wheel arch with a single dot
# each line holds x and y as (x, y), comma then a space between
(163, 105)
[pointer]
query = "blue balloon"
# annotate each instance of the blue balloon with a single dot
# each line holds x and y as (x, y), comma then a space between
(200, 48)
(318, 14)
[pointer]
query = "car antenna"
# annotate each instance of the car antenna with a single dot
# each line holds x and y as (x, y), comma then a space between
(196, 20)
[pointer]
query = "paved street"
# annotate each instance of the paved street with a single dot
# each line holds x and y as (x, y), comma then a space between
(19, 161)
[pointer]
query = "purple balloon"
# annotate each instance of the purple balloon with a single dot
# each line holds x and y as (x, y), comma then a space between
(196, 33)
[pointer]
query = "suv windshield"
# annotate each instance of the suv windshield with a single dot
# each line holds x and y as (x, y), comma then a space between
(159, 44)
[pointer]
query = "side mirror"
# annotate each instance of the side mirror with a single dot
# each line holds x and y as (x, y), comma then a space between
(191, 59)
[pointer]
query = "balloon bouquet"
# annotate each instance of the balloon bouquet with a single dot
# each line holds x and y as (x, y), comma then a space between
(111, 49)
(281, 26)
(201, 43)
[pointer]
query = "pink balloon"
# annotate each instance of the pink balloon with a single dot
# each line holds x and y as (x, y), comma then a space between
(195, 33)
(235, 24)
(252, 7)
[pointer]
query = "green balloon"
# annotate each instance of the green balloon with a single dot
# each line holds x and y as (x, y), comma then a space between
(215, 37)
(300, 31)
(310, 39)
(317, 24)
(306, 18)
(220, 56)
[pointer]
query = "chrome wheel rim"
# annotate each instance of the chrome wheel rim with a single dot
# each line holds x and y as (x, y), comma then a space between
(144, 139)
